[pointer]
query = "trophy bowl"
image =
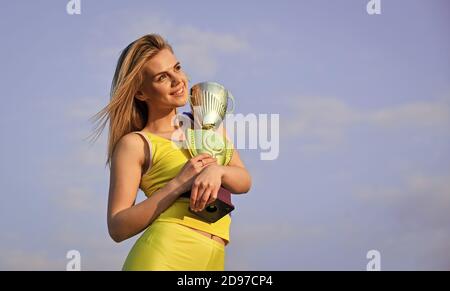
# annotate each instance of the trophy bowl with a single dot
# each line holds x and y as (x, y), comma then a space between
(209, 102)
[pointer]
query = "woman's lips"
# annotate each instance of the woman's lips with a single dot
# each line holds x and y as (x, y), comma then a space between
(179, 93)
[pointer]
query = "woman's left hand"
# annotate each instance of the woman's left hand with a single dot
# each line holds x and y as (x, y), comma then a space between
(206, 186)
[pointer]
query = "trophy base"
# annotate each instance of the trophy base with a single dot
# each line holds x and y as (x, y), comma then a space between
(217, 209)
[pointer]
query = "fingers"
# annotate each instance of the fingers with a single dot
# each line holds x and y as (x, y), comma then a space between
(194, 194)
(209, 161)
(213, 196)
(205, 158)
(201, 157)
(202, 195)
(200, 164)
(202, 199)
(197, 192)
(209, 195)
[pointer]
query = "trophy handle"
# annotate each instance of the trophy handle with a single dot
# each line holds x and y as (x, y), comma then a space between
(229, 95)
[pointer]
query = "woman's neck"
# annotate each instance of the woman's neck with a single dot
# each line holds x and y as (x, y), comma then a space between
(160, 121)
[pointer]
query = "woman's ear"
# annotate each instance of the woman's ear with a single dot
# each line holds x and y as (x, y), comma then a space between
(140, 96)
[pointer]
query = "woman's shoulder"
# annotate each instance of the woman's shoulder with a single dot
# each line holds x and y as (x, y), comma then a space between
(131, 141)
(133, 146)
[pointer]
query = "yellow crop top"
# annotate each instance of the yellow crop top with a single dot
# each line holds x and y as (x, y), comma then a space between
(166, 161)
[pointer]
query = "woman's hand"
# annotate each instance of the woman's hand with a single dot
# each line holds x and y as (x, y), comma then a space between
(206, 186)
(192, 168)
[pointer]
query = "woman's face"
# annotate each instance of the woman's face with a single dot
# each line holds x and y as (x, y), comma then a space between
(165, 83)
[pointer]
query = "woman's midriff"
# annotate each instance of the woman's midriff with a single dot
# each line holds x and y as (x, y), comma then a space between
(207, 234)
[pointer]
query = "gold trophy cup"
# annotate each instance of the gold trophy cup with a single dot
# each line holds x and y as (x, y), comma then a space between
(209, 102)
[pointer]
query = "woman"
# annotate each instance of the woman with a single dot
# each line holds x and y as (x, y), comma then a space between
(148, 86)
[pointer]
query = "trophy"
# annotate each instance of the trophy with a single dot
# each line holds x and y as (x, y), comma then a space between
(209, 102)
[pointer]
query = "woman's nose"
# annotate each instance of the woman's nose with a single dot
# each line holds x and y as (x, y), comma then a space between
(176, 80)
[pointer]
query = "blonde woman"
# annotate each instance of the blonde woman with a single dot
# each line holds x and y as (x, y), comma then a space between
(148, 86)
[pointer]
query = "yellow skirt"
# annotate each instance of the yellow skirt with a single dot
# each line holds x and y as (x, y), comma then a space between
(171, 246)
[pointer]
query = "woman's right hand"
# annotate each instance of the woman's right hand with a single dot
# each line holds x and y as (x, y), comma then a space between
(191, 169)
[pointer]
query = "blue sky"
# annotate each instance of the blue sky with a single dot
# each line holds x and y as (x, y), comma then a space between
(364, 105)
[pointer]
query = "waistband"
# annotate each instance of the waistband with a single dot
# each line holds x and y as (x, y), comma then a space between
(178, 212)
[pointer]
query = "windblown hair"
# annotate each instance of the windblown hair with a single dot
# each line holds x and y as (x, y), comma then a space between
(125, 112)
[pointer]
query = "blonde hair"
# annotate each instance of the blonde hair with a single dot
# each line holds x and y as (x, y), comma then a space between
(125, 112)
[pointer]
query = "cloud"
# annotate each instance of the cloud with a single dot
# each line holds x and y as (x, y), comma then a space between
(266, 234)
(272, 244)
(74, 177)
(418, 114)
(83, 108)
(75, 181)
(21, 260)
(418, 201)
(322, 123)
(199, 49)
(202, 49)
(415, 218)
(97, 250)
(79, 198)
(321, 118)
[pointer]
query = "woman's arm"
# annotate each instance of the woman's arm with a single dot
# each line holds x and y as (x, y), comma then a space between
(235, 176)
(126, 219)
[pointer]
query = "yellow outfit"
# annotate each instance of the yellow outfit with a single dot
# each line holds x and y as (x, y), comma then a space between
(166, 244)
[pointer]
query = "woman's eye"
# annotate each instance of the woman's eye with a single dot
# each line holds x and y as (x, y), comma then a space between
(177, 68)
(162, 77)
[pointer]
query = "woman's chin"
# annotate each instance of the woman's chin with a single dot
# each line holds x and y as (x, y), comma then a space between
(178, 104)
(181, 101)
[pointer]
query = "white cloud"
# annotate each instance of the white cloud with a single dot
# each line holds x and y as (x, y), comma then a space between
(266, 233)
(419, 114)
(80, 198)
(323, 123)
(83, 108)
(269, 244)
(415, 219)
(418, 199)
(22, 260)
(321, 118)
(199, 49)
(98, 251)
(77, 179)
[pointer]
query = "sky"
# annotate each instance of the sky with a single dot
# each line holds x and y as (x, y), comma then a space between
(364, 116)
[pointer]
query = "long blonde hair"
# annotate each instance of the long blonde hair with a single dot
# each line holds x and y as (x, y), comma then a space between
(125, 112)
